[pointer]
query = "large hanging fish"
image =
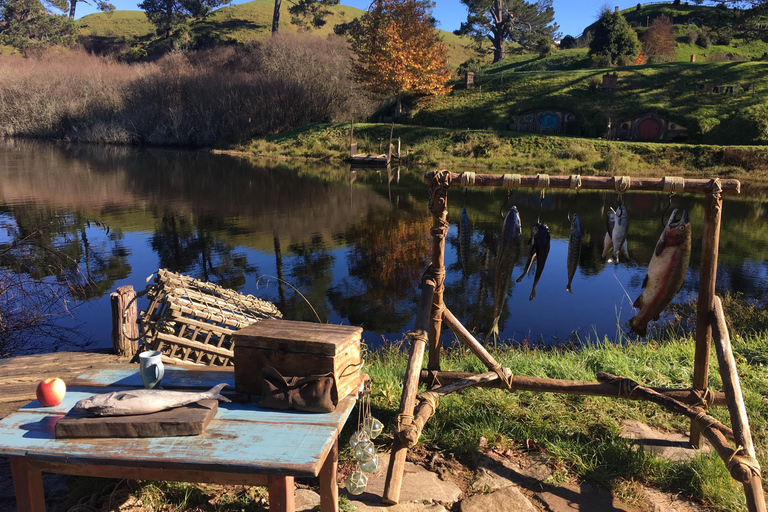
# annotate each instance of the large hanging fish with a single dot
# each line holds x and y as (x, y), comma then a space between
(666, 273)
(538, 249)
(509, 253)
(574, 249)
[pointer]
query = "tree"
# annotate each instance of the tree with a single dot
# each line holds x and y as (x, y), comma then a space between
(500, 21)
(659, 40)
(28, 23)
(100, 5)
(613, 39)
(398, 50)
(568, 43)
(169, 15)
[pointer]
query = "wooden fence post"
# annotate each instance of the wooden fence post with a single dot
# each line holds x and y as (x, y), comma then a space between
(125, 330)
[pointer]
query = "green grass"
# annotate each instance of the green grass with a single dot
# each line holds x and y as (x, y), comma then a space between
(579, 435)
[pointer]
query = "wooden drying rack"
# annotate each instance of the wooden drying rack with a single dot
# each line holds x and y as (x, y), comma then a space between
(416, 409)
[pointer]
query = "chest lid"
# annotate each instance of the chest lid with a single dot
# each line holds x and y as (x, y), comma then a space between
(303, 337)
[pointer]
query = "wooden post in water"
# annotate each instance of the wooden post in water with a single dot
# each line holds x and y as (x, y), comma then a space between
(125, 329)
(710, 242)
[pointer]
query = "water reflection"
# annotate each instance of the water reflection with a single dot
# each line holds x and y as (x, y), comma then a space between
(326, 243)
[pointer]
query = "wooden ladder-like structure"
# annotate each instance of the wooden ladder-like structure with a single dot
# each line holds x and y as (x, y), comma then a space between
(416, 409)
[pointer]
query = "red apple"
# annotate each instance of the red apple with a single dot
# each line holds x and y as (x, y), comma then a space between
(51, 391)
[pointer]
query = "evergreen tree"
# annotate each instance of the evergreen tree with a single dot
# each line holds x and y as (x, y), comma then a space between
(169, 15)
(28, 23)
(614, 41)
(499, 21)
(398, 50)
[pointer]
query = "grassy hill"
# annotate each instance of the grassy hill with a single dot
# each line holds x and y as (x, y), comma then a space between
(242, 23)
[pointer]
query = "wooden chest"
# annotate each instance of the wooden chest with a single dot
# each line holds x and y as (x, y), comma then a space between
(298, 349)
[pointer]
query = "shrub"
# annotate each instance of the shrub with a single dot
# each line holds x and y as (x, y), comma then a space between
(693, 34)
(704, 40)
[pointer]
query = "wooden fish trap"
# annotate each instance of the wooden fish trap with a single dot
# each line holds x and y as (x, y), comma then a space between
(192, 321)
(416, 408)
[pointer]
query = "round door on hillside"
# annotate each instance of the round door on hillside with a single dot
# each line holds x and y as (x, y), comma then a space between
(549, 122)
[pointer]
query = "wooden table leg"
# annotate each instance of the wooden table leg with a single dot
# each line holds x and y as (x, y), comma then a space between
(28, 484)
(281, 489)
(329, 488)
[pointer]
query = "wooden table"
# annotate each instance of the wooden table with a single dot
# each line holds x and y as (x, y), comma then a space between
(243, 444)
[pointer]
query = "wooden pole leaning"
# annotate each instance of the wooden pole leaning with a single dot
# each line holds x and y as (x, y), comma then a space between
(742, 465)
(707, 275)
(438, 205)
(394, 478)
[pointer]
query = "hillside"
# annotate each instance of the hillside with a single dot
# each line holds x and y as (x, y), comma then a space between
(242, 23)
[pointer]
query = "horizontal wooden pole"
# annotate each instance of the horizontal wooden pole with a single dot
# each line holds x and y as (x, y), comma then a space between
(592, 183)
(569, 387)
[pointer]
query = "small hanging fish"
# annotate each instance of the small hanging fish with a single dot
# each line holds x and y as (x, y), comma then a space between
(464, 240)
(574, 250)
(538, 250)
(619, 234)
(509, 253)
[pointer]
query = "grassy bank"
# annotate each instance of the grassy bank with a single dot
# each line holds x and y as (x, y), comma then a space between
(500, 151)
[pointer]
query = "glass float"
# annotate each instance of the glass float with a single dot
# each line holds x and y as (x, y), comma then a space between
(365, 451)
(356, 482)
(370, 466)
(373, 427)
(357, 437)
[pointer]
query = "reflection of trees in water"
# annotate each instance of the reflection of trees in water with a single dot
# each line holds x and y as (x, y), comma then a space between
(312, 274)
(49, 258)
(191, 246)
(388, 255)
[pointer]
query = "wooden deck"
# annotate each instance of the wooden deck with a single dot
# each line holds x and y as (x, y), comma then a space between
(20, 375)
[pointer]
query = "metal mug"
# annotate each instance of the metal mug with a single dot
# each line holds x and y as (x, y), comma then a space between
(150, 368)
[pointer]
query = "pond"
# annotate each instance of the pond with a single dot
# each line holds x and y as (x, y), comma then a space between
(329, 244)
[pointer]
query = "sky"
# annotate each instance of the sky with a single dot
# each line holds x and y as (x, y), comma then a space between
(572, 15)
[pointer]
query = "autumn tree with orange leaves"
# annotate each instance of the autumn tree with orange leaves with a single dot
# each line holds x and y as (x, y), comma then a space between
(398, 50)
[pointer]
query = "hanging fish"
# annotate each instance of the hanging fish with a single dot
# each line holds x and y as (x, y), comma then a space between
(509, 253)
(574, 249)
(666, 273)
(610, 221)
(538, 249)
(619, 234)
(464, 240)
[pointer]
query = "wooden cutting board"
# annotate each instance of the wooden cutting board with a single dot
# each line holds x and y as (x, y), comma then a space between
(188, 420)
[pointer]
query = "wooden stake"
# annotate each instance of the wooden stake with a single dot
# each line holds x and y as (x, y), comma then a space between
(465, 336)
(394, 479)
(738, 413)
(710, 241)
(438, 205)
(568, 387)
(125, 330)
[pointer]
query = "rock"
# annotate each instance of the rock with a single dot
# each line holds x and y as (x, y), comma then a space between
(419, 485)
(402, 507)
(667, 445)
(567, 498)
(495, 471)
(306, 500)
(508, 499)
(663, 502)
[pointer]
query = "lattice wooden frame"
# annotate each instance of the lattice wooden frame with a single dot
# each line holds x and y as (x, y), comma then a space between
(192, 321)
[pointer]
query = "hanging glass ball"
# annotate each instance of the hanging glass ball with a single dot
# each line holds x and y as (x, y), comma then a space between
(365, 451)
(358, 437)
(373, 427)
(370, 466)
(356, 482)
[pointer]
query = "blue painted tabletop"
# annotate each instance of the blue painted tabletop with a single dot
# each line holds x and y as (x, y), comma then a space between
(242, 438)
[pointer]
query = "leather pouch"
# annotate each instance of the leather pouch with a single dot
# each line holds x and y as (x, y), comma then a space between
(316, 393)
